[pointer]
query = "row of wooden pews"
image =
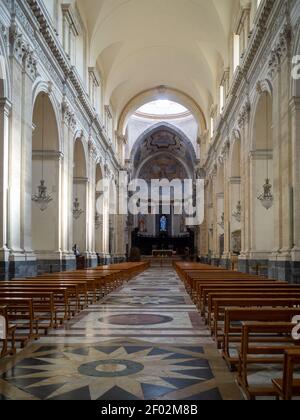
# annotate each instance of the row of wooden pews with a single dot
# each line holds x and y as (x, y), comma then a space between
(33, 306)
(251, 319)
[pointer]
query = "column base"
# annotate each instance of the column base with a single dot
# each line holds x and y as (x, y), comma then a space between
(91, 260)
(215, 262)
(226, 263)
(21, 265)
(285, 270)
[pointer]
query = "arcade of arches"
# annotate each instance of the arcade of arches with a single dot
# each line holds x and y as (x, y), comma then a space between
(91, 89)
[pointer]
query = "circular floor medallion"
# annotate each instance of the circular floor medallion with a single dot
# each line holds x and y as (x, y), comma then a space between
(110, 368)
(136, 319)
(148, 289)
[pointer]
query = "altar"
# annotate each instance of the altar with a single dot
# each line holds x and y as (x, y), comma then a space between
(163, 257)
(163, 253)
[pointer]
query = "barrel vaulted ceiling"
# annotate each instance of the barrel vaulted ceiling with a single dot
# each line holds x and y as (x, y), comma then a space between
(141, 44)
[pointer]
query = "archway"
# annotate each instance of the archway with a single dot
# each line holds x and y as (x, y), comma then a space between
(163, 153)
(235, 199)
(5, 107)
(80, 197)
(159, 93)
(45, 171)
(262, 241)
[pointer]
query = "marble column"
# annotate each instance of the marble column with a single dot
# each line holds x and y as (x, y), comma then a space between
(226, 206)
(91, 206)
(66, 187)
(23, 73)
(5, 109)
(295, 136)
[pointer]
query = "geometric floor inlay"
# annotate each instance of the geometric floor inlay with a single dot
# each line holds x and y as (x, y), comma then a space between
(137, 372)
(146, 341)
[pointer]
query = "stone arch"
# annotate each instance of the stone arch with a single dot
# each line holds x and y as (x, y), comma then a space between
(46, 167)
(180, 161)
(161, 92)
(263, 87)
(168, 127)
(261, 168)
(80, 194)
(45, 87)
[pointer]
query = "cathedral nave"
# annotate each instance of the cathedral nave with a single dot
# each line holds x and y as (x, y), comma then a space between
(149, 200)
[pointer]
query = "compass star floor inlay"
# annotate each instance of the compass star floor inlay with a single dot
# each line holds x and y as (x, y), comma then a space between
(125, 348)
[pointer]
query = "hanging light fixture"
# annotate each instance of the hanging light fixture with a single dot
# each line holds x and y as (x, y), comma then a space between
(42, 198)
(237, 213)
(222, 223)
(266, 197)
(77, 211)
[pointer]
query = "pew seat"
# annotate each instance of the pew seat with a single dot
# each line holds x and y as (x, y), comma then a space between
(262, 354)
(9, 335)
(231, 336)
(288, 386)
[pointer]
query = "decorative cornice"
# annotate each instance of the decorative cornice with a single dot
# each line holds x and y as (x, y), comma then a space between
(80, 180)
(47, 154)
(235, 180)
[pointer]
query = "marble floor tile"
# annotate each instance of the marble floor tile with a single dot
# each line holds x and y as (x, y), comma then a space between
(144, 341)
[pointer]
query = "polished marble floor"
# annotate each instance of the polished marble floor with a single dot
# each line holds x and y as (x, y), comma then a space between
(144, 341)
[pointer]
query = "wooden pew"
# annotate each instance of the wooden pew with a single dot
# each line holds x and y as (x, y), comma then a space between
(77, 289)
(219, 305)
(267, 294)
(21, 312)
(288, 387)
(98, 284)
(232, 329)
(43, 306)
(65, 295)
(264, 354)
(206, 289)
(9, 335)
(195, 282)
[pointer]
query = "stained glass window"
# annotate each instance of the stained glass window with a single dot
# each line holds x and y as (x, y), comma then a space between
(163, 224)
